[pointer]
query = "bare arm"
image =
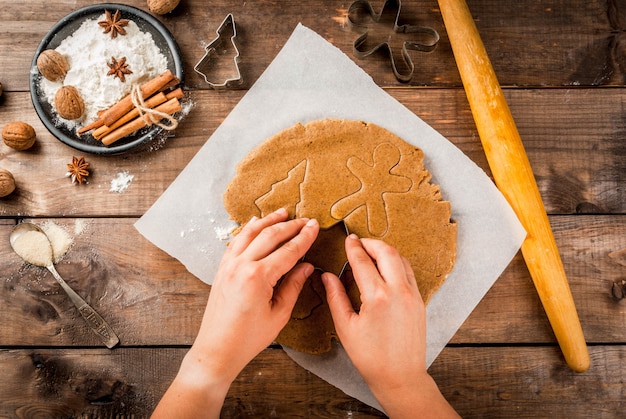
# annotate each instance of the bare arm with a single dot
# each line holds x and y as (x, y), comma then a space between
(386, 340)
(244, 314)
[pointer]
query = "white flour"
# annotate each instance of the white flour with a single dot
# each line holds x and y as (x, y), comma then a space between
(89, 50)
(80, 226)
(121, 182)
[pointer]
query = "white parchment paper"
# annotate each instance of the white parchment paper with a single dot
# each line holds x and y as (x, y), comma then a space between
(311, 79)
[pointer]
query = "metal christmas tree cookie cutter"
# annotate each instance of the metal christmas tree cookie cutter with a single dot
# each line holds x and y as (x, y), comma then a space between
(212, 66)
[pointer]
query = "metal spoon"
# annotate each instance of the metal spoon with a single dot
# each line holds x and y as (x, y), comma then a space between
(93, 319)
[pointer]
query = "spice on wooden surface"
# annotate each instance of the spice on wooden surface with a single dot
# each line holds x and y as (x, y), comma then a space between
(78, 170)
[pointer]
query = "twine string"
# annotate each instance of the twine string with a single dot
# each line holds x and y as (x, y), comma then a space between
(150, 115)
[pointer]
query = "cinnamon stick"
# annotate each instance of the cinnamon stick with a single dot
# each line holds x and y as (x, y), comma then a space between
(170, 107)
(151, 102)
(149, 88)
(134, 113)
(162, 82)
(94, 125)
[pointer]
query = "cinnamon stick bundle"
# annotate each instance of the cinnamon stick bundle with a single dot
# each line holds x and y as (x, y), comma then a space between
(159, 83)
(149, 88)
(170, 107)
(151, 102)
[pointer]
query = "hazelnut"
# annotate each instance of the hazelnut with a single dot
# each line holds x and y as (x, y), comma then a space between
(18, 135)
(69, 103)
(7, 183)
(52, 65)
(161, 7)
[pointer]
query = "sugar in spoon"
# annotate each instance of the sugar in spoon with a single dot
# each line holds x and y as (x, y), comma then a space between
(33, 245)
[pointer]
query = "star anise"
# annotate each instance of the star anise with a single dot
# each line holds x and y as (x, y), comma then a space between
(119, 69)
(78, 170)
(113, 24)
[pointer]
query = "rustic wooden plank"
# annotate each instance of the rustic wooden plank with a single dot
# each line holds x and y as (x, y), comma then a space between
(146, 296)
(84, 383)
(592, 250)
(530, 43)
(478, 382)
(530, 382)
(150, 299)
(503, 362)
(129, 383)
(574, 139)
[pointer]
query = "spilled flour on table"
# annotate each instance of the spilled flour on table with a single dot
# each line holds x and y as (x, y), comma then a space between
(121, 182)
(80, 226)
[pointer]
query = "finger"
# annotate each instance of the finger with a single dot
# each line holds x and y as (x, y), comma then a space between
(243, 238)
(366, 274)
(294, 249)
(254, 227)
(287, 293)
(410, 274)
(338, 302)
(272, 237)
(388, 260)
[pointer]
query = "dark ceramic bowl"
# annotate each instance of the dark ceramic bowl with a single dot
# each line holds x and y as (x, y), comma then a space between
(66, 27)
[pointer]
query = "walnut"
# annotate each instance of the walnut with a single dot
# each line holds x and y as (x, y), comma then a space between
(161, 7)
(18, 135)
(69, 103)
(52, 65)
(7, 183)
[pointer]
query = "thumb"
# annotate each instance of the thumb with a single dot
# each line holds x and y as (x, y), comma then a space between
(340, 306)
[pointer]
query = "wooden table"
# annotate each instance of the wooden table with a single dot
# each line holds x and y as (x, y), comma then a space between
(562, 66)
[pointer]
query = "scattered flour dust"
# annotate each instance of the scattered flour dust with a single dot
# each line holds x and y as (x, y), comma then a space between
(80, 226)
(121, 182)
(222, 233)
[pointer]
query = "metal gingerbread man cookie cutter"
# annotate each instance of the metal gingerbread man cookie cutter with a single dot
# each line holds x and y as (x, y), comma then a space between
(208, 66)
(337, 231)
(391, 8)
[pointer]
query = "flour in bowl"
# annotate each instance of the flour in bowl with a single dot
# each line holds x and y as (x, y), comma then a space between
(89, 51)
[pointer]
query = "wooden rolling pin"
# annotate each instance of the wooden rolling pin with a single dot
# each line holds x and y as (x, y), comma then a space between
(514, 177)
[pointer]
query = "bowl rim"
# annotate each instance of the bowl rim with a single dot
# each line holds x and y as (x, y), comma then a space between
(79, 15)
